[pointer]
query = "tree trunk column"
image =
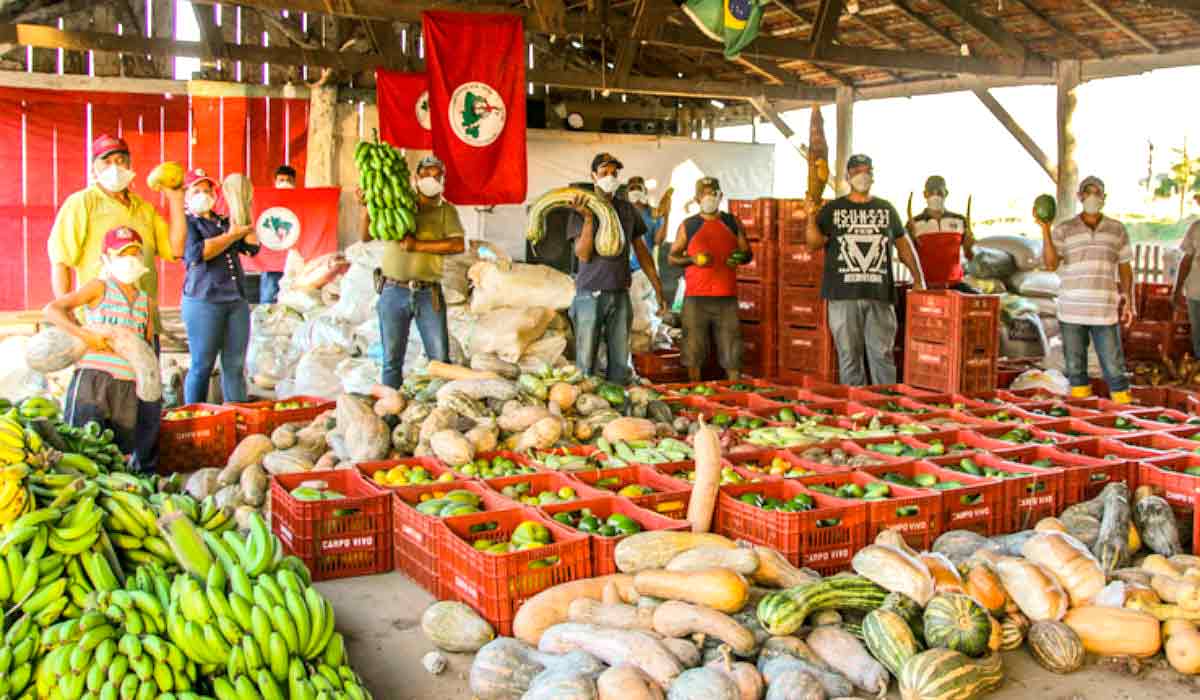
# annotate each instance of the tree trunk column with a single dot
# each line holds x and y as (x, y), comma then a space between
(321, 167)
(1068, 74)
(845, 138)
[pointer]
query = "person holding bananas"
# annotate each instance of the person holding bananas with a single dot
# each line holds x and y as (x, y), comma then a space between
(409, 277)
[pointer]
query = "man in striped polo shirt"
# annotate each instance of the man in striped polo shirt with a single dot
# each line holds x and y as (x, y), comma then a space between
(1092, 255)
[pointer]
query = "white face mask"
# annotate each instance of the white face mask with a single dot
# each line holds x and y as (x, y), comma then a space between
(1092, 204)
(200, 202)
(284, 185)
(114, 178)
(607, 184)
(708, 203)
(935, 202)
(861, 183)
(429, 186)
(126, 269)
(637, 197)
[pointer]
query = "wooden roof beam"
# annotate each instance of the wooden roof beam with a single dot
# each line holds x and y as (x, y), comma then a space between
(905, 9)
(1006, 120)
(1122, 25)
(826, 25)
(992, 30)
(1060, 31)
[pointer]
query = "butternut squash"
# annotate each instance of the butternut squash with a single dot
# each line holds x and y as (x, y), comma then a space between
(1182, 646)
(656, 549)
(1158, 564)
(1073, 566)
(1182, 592)
(550, 607)
(719, 589)
(627, 683)
(678, 619)
(740, 559)
(707, 454)
(775, 571)
(1115, 631)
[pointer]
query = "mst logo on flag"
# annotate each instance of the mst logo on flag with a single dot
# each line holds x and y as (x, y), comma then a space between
(477, 113)
(303, 220)
(423, 110)
(278, 228)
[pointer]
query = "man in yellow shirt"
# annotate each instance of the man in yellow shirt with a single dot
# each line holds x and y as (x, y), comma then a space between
(77, 238)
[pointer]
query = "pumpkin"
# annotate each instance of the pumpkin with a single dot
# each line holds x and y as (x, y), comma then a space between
(889, 638)
(541, 435)
(703, 684)
(984, 586)
(517, 418)
(894, 571)
(781, 671)
(1012, 631)
(627, 683)
(564, 395)
(1155, 521)
(615, 647)
(1055, 646)
(842, 652)
(908, 609)
(629, 430)
(166, 175)
(959, 545)
(719, 589)
(1072, 565)
(703, 499)
(1033, 589)
(1115, 631)
(451, 447)
(1182, 646)
(945, 674)
(745, 676)
(489, 363)
(550, 607)
(996, 638)
(656, 549)
(955, 621)
(1112, 544)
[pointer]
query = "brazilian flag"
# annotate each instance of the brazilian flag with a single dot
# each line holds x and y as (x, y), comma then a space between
(732, 22)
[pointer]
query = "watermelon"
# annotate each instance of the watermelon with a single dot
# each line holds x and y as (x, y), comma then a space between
(1044, 207)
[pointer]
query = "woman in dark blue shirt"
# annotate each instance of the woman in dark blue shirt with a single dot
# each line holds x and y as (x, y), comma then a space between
(215, 311)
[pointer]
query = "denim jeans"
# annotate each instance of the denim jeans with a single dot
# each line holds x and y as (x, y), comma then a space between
(1194, 317)
(216, 328)
(606, 316)
(268, 287)
(1107, 340)
(398, 306)
(864, 324)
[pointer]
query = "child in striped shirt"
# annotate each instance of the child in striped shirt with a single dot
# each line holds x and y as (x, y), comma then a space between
(103, 387)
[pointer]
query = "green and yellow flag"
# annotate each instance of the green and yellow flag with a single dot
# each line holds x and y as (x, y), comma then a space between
(732, 22)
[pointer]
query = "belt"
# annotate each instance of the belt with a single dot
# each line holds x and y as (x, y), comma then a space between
(410, 284)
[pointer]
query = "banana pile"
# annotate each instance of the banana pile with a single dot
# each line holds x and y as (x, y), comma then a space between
(384, 176)
(15, 497)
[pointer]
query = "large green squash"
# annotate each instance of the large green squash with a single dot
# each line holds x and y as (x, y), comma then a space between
(955, 621)
(908, 609)
(784, 612)
(1055, 646)
(1045, 208)
(945, 674)
(889, 638)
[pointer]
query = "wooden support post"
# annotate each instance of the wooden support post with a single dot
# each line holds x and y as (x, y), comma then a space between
(772, 115)
(1006, 120)
(845, 138)
(1068, 73)
(323, 137)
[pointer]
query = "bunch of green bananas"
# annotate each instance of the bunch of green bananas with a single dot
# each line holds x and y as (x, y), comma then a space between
(92, 441)
(391, 202)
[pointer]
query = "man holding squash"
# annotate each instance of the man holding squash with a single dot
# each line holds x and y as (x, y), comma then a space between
(76, 241)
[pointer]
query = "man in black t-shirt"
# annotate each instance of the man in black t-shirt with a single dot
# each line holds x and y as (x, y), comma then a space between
(857, 232)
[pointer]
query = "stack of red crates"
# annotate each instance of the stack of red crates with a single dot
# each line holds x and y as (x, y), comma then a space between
(1162, 329)
(758, 285)
(951, 341)
(805, 343)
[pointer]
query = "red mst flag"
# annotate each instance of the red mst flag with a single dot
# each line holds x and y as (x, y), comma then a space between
(476, 69)
(403, 100)
(302, 219)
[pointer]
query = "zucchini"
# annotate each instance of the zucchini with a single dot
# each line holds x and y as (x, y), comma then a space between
(784, 612)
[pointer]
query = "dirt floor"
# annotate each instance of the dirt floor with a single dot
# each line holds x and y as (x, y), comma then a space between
(380, 617)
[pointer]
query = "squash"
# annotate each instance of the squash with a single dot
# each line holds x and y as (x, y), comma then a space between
(1012, 631)
(616, 615)
(777, 669)
(53, 349)
(1055, 646)
(745, 676)
(983, 585)
(249, 451)
(566, 684)
(891, 537)
(1050, 525)
(614, 647)
(1183, 592)
(945, 674)
(775, 571)
(455, 627)
(842, 652)
(1112, 544)
(518, 418)
(996, 638)
(1158, 564)
(784, 612)
(908, 609)
(1182, 646)
(678, 619)
(895, 571)
(945, 576)
(504, 669)
(959, 545)
(740, 559)
(656, 549)
(564, 395)
(889, 639)
(955, 621)
(166, 175)
(1135, 538)
(491, 363)
(1033, 589)
(627, 683)
(719, 589)
(629, 430)
(703, 684)
(541, 435)
(686, 652)
(550, 607)
(1185, 561)
(1155, 521)
(451, 447)
(707, 456)
(1115, 631)
(1072, 565)
(444, 370)
(794, 683)
(1144, 594)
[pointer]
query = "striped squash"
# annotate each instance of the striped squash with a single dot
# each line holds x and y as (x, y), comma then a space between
(889, 639)
(955, 621)
(1012, 631)
(945, 674)
(1055, 646)
(908, 609)
(784, 612)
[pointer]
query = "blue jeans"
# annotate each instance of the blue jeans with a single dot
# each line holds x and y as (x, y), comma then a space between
(1107, 340)
(268, 287)
(1194, 317)
(145, 433)
(216, 327)
(863, 325)
(398, 306)
(606, 316)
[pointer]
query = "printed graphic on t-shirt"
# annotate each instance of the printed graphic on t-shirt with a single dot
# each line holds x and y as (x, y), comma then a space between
(863, 244)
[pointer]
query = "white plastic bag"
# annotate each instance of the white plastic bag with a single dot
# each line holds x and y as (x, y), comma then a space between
(1026, 252)
(1051, 380)
(358, 299)
(358, 374)
(1036, 283)
(271, 357)
(368, 254)
(507, 332)
(325, 329)
(317, 372)
(546, 350)
(302, 300)
(17, 381)
(523, 286)
(645, 304)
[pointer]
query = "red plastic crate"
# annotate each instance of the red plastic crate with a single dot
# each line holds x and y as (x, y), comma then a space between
(496, 585)
(668, 498)
(809, 351)
(1150, 417)
(968, 321)
(919, 528)
(900, 405)
(1038, 494)
(973, 440)
(1182, 400)
(761, 267)
(1084, 475)
(677, 471)
(1120, 463)
(415, 536)
(888, 391)
(763, 458)
(602, 547)
(758, 345)
(349, 536)
(1166, 475)
(743, 211)
(542, 481)
(436, 468)
(754, 302)
(791, 221)
(1042, 434)
(1154, 303)
(802, 307)
(1147, 340)
(987, 399)
(660, 366)
(978, 505)
(196, 443)
(796, 536)
(1169, 442)
(259, 418)
(914, 441)
(946, 368)
(757, 217)
(800, 267)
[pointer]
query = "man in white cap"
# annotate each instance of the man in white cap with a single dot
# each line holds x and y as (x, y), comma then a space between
(1092, 255)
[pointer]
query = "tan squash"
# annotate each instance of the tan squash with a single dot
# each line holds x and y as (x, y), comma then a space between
(1186, 561)
(1158, 564)
(678, 619)
(1072, 565)
(629, 430)
(775, 571)
(983, 585)
(997, 636)
(706, 449)
(1141, 593)
(1033, 588)
(1115, 631)
(627, 682)
(1050, 525)
(617, 615)
(445, 370)
(1182, 592)
(565, 395)
(550, 607)
(719, 589)
(656, 549)
(895, 571)
(740, 559)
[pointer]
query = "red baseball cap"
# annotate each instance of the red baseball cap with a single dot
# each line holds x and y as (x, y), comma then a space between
(106, 144)
(197, 175)
(120, 238)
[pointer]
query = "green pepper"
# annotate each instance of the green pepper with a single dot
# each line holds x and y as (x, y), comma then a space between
(750, 498)
(907, 511)
(564, 518)
(786, 415)
(889, 448)
(721, 420)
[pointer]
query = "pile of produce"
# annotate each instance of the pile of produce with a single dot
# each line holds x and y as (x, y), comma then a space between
(113, 585)
(1166, 371)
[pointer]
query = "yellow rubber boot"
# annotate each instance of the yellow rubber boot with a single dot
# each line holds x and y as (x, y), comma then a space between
(1122, 397)
(1081, 392)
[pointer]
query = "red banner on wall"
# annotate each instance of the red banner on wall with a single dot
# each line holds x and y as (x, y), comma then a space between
(304, 220)
(403, 100)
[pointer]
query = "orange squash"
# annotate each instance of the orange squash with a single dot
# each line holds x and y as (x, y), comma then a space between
(984, 586)
(1115, 631)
